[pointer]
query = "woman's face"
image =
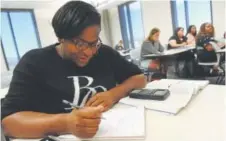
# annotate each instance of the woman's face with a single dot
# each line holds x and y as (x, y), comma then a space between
(208, 28)
(81, 49)
(180, 33)
(193, 29)
(155, 37)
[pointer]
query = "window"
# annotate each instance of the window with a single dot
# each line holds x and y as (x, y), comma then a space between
(198, 16)
(131, 24)
(18, 35)
(180, 10)
(185, 13)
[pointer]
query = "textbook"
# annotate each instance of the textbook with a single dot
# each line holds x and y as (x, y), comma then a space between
(181, 93)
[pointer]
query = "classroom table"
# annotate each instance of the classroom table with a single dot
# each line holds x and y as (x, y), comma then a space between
(169, 52)
(202, 120)
(221, 51)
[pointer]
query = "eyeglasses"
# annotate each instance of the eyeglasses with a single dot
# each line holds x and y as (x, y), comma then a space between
(83, 45)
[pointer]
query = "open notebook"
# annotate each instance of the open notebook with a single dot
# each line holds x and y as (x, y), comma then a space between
(181, 93)
(120, 123)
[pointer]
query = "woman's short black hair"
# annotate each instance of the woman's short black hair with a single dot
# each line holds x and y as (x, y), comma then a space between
(73, 17)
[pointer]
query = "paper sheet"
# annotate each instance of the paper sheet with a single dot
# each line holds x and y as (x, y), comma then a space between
(119, 124)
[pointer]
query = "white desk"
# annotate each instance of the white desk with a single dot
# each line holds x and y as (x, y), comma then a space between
(124, 53)
(221, 51)
(202, 120)
(170, 52)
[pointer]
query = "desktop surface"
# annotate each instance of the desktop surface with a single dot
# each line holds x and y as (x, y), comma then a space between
(202, 120)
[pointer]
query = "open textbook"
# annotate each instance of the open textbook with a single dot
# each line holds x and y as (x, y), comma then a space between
(181, 93)
(120, 123)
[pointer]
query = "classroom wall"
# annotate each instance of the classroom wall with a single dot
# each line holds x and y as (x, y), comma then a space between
(105, 33)
(43, 19)
(114, 24)
(219, 17)
(157, 14)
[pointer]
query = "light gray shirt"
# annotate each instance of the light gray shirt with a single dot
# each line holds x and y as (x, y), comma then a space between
(151, 48)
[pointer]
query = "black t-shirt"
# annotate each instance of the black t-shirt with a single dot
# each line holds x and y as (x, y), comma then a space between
(178, 40)
(42, 79)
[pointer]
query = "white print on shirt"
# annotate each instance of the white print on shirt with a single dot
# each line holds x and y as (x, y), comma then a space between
(91, 90)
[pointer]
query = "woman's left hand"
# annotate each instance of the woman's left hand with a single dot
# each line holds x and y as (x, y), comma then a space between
(106, 99)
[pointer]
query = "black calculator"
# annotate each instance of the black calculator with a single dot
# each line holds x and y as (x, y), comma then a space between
(152, 94)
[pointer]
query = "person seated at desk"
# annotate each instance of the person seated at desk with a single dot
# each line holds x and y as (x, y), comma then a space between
(208, 34)
(179, 40)
(119, 46)
(191, 35)
(79, 69)
(205, 48)
(152, 45)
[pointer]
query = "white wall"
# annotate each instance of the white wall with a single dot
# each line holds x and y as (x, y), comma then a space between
(114, 25)
(43, 20)
(219, 16)
(157, 14)
(105, 33)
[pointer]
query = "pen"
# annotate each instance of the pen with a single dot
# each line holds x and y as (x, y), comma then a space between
(71, 104)
(74, 106)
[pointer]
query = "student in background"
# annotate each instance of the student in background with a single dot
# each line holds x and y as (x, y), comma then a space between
(205, 48)
(185, 59)
(203, 40)
(191, 35)
(119, 46)
(178, 39)
(152, 45)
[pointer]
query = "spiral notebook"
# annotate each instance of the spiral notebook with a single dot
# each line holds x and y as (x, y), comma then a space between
(120, 123)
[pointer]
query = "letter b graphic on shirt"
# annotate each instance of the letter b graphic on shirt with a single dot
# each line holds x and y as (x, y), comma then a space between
(91, 90)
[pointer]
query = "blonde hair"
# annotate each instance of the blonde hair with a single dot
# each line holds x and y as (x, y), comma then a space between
(152, 32)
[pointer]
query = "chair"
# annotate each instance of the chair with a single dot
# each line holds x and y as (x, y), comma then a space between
(135, 55)
(210, 64)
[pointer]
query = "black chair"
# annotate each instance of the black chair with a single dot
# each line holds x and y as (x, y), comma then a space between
(203, 67)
